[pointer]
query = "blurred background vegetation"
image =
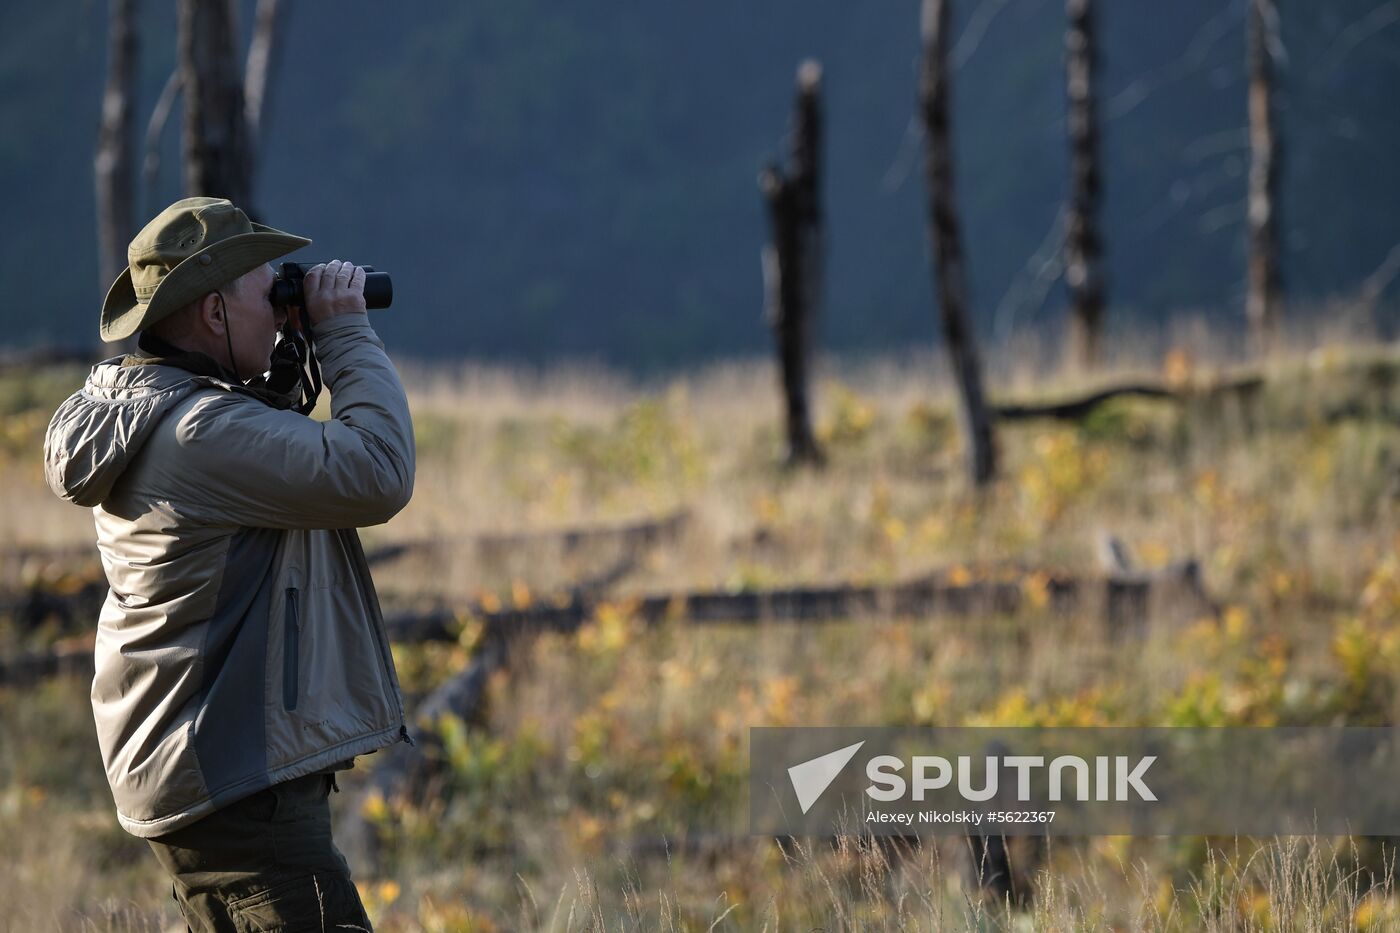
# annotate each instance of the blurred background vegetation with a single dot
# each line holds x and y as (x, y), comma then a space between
(578, 180)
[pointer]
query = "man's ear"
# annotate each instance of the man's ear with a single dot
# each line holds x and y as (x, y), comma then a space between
(211, 314)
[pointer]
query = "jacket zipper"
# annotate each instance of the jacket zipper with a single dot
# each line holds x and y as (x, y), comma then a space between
(291, 651)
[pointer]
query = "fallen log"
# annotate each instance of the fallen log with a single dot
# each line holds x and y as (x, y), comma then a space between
(1115, 598)
(74, 605)
(1124, 601)
(1073, 409)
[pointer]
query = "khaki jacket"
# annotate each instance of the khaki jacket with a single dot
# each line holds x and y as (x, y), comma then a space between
(241, 643)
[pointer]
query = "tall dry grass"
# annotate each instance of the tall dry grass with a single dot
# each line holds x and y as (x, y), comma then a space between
(604, 788)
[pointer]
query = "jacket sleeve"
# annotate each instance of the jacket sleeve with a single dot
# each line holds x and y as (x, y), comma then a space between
(243, 463)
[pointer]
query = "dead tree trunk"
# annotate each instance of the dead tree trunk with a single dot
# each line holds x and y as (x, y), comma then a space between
(113, 166)
(216, 138)
(264, 55)
(946, 245)
(155, 129)
(1083, 250)
(793, 261)
(1262, 302)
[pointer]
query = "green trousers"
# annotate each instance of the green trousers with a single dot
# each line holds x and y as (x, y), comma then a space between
(264, 863)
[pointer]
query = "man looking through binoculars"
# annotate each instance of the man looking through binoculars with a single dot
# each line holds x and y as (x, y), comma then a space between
(241, 657)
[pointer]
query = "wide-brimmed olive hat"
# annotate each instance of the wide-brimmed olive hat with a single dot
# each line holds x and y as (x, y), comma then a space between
(192, 248)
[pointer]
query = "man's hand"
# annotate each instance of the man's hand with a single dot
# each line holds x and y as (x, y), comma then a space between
(332, 289)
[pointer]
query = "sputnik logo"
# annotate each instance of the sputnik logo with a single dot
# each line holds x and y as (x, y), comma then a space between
(811, 778)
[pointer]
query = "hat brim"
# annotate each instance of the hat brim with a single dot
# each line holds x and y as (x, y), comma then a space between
(123, 314)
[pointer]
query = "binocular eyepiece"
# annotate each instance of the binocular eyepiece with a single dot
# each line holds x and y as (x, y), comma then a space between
(287, 286)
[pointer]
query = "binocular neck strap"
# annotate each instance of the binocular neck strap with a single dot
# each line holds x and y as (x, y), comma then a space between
(228, 339)
(311, 383)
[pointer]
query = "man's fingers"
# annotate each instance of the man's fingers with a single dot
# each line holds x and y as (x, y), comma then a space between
(336, 287)
(330, 275)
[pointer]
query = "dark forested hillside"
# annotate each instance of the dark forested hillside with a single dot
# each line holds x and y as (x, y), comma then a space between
(549, 179)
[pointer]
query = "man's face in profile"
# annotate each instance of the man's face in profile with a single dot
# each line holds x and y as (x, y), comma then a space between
(254, 321)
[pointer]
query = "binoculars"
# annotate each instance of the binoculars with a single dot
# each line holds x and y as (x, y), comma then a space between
(287, 286)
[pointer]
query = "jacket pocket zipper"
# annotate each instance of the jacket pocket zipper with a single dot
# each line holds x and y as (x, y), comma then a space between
(291, 645)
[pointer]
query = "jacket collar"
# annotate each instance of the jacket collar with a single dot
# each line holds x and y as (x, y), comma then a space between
(153, 351)
(280, 389)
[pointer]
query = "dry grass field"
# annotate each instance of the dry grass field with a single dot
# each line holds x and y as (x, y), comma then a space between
(603, 785)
